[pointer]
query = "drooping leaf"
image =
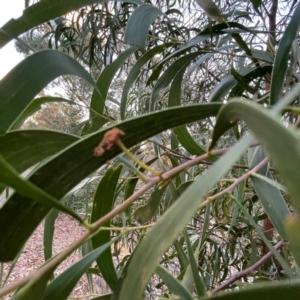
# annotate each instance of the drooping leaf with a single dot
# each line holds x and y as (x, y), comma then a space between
(69, 167)
(49, 233)
(23, 149)
(174, 99)
(146, 212)
(135, 71)
(265, 125)
(103, 204)
(256, 4)
(62, 285)
(103, 83)
(42, 12)
(282, 56)
(21, 85)
(173, 284)
(169, 75)
(194, 266)
(230, 82)
(262, 291)
(142, 263)
(269, 196)
(10, 177)
(141, 18)
(211, 9)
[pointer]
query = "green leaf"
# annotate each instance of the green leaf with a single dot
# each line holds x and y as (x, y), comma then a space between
(94, 124)
(166, 78)
(262, 55)
(42, 12)
(103, 83)
(103, 204)
(35, 288)
(173, 284)
(134, 72)
(141, 18)
(207, 33)
(69, 167)
(226, 85)
(181, 132)
(145, 213)
(23, 149)
(104, 297)
(256, 4)
(230, 82)
(292, 228)
(270, 196)
(62, 285)
(265, 126)
(21, 85)
(187, 141)
(142, 263)
(49, 232)
(263, 291)
(194, 266)
(211, 9)
(11, 178)
(183, 259)
(282, 56)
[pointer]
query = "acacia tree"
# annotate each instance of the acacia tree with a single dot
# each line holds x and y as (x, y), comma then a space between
(201, 205)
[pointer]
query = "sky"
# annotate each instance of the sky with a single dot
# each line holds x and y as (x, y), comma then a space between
(9, 57)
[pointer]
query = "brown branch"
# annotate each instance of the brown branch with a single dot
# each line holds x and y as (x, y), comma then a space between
(247, 271)
(272, 21)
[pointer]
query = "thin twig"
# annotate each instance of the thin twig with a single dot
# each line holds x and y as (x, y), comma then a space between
(55, 261)
(247, 271)
(235, 183)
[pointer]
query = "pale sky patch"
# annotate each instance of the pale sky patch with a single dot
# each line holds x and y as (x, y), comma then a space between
(9, 57)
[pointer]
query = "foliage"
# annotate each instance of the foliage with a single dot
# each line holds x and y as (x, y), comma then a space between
(210, 114)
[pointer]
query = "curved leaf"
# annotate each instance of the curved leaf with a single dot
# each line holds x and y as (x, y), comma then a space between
(42, 12)
(263, 291)
(21, 85)
(145, 213)
(141, 18)
(135, 71)
(173, 284)
(103, 83)
(24, 148)
(10, 177)
(169, 75)
(142, 263)
(103, 203)
(174, 99)
(265, 126)
(282, 56)
(49, 233)
(69, 167)
(270, 196)
(62, 285)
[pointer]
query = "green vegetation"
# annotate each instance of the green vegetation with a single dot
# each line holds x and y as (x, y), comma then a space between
(201, 180)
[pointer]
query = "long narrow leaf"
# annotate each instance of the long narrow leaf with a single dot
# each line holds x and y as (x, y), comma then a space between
(42, 12)
(103, 203)
(142, 263)
(68, 168)
(21, 85)
(62, 285)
